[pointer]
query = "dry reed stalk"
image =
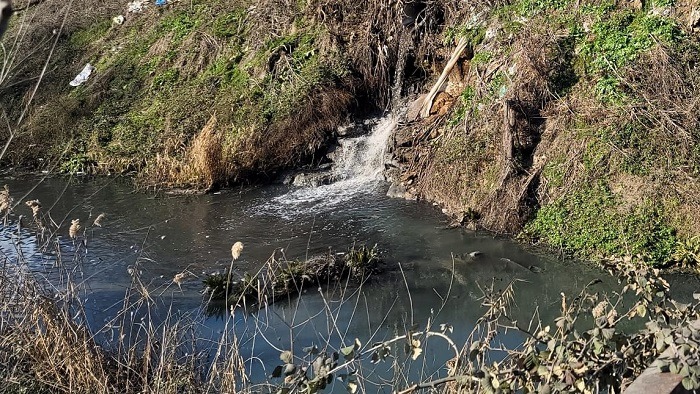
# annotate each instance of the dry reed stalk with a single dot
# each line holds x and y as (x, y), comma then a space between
(204, 160)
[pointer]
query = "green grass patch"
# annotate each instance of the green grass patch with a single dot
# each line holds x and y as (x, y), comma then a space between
(92, 33)
(615, 40)
(590, 222)
(180, 24)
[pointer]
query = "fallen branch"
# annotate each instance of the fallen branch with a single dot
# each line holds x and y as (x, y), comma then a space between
(428, 101)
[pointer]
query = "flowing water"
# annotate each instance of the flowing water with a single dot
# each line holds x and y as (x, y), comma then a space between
(163, 235)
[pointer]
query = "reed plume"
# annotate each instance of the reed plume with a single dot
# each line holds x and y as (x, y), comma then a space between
(98, 220)
(236, 250)
(74, 228)
(5, 200)
(35, 205)
(179, 278)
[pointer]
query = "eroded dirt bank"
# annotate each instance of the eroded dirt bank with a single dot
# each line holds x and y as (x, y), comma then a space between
(569, 122)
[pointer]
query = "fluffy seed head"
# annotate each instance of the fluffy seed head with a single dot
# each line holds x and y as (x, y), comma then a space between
(236, 250)
(5, 199)
(599, 309)
(179, 278)
(35, 205)
(74, 228)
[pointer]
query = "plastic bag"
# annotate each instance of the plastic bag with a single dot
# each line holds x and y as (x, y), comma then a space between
(83, 76)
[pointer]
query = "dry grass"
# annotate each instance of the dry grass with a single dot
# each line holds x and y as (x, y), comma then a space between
(46, 344)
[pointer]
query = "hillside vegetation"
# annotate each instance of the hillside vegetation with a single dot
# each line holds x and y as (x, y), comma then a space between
(573, 123)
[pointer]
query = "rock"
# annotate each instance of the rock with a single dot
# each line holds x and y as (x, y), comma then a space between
(396, 190)
(442, 104)
(414, 108)
(313, 179)
(536, 269)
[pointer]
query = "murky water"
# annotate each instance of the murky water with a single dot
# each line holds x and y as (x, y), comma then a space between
(170, 234)
(427, 274)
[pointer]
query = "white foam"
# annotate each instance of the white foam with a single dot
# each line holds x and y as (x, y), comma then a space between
(359, 169)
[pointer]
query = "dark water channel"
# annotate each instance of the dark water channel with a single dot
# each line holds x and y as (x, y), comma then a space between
(170, 234)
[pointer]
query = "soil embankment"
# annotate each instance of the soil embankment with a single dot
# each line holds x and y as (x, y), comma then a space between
(574, 123)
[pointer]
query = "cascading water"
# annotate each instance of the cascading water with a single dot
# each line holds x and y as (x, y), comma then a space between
(358, 169)
(359, 162)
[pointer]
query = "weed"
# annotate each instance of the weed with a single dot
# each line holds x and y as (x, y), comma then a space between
(84, 37)
(687, 252)
(179, 24)
(467, 107)
(588, 222)
(78, 163)
(617, 40)
(231, 25)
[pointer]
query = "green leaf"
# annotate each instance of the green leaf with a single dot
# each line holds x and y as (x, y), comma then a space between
(348, 350)
(673, 368)
(641, 310)
(687, 384)
(608, 333)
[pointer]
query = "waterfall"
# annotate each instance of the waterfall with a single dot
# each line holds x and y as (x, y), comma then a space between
(361, 160)
(358, 169)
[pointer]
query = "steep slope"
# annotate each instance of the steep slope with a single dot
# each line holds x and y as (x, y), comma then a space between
(575, 123)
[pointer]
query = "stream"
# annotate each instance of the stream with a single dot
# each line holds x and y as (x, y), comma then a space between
(162, 235)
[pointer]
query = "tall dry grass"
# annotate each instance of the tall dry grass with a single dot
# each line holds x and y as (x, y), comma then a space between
(47, 344)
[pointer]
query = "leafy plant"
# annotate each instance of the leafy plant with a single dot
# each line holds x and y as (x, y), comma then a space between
(687, 252)
(617, 40)
(588, 222)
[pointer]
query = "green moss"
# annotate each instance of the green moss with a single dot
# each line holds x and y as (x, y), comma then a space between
(473, 34)
(590, 222)
(95, 31)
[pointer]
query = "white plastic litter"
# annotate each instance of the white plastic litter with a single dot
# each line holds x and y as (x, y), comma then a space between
(118, 20)
(136, 6)
(83, 76)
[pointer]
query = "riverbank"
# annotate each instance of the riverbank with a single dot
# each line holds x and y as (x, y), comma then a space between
(568, 123)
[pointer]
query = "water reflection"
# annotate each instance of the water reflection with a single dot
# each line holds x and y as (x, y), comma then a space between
(163, 235)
